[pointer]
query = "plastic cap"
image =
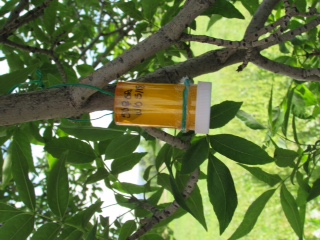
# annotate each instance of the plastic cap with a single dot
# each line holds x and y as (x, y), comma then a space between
(203, 106)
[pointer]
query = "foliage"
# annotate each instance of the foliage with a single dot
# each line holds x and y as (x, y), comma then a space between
(48, 197)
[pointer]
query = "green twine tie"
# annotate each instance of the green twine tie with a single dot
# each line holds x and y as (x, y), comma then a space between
(187, 84)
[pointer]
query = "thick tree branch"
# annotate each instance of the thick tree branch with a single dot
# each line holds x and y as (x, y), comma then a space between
(55, 103)
(279, 68)
(161, 40)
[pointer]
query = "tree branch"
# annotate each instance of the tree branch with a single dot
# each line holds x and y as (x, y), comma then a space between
(279, 68)
(170, 210)
(161, 40)
(16, 12)
(48, 53)
(260, 18)
(48, 104)
(168, 138)
(20, 21)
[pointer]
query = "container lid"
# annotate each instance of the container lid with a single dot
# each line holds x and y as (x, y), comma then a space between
(203, 107)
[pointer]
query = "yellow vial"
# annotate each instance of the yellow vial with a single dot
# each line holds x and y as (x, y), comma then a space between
(163, 105)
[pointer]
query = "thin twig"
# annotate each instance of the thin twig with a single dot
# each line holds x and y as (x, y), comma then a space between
(159, 216)
(16, 12)
(20, 21)
(166, 137)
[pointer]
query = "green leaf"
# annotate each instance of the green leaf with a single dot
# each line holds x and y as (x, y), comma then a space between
(17, 228)
(92, 133)
(225, 9)
(131, 188)
(194, 201)
(49, 17)
(81, 219)
(149, 9)
(249, 120)
(20, 176)
(270, 179)
(58, 186)
(239, 149)
(122, 146)
(126, 163)
(48, 231)
(252, 214)
(85, 70)
(7, 212)
(163, 180)
(126, 230)
(286, 105)
(251, 5)
(285, 157)
(195, 156)
(315, 190)
(6, 170)
(23, 143)
(164, 155)
(151, 236)
(290, 209)
(79, 152)
(222, 192)
(100, 174)
(222, 113)
(10, 80)
(92, 233)
(129, 8)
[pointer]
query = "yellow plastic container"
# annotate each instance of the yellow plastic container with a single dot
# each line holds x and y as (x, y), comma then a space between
(163, 105)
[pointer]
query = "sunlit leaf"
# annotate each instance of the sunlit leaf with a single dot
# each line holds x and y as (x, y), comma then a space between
(270, 179)
(252, 214)
(58, 186)
(249, 120)
(290, 209)
(239, 149)
(222, 192)
(126, 163)
(79, 151)
(48, 231)
(126, 230)
(18, 227)
(122, 146)
(222, 113)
